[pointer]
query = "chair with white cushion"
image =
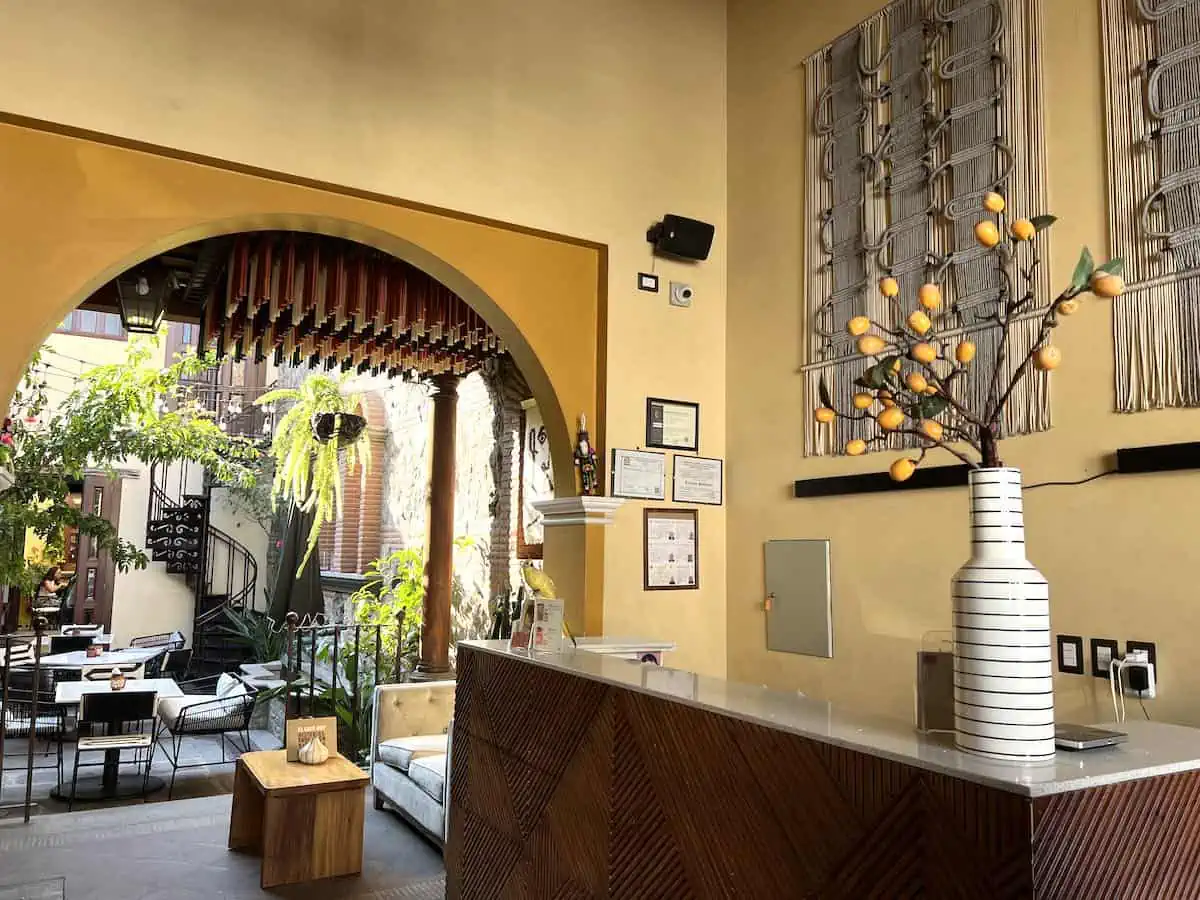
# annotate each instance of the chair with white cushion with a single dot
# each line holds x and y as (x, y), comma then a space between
(135, 707)
(410, 753)
(224, 712)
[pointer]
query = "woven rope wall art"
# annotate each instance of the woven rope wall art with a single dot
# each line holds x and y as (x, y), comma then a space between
(1152, 93)
(914, 116)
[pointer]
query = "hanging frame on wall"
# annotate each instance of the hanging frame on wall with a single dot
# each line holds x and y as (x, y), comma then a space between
(913, 117)
(672, 424)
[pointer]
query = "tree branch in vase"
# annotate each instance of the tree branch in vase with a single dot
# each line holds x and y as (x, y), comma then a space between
(909, 383)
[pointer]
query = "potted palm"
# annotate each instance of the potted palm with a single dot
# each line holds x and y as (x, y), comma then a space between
(319, 431)
(915, 383)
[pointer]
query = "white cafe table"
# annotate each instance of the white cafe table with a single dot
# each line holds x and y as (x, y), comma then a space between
(78, 659)
(111, 785)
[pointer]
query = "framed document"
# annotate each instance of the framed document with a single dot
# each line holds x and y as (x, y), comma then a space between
(698, 480)
(672, 424)
(639, 475)
(672, 551)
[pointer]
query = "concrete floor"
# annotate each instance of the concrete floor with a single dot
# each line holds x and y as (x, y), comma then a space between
(177, 851)
(208, 779)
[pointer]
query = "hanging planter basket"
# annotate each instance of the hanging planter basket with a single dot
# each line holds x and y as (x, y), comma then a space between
(325, 428)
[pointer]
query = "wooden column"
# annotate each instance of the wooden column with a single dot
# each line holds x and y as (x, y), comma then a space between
(434, 663)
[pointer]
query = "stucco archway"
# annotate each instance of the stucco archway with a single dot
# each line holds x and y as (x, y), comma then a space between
(80, 211)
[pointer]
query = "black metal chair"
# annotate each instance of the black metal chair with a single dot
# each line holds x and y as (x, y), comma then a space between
(69, 643)
(204, 715)
(19, 720)
(172, 641)
(176, 664)
(106, 709)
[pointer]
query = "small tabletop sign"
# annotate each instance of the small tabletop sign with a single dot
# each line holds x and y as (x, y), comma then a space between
(301, 731)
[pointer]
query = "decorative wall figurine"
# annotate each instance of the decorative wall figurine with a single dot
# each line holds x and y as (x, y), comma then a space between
(1152, 94)
(585, 461)
(914, 117)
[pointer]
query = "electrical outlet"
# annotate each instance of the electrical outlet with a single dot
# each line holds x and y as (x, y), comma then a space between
(1148, 646)
(681, 294)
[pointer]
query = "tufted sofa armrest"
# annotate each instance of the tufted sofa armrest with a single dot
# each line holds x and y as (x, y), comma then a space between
(406, 710)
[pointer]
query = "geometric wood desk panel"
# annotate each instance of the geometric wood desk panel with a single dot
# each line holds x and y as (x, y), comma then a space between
(565, 786)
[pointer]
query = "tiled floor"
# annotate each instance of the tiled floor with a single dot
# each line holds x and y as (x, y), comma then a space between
(177, 851)
(207, 780)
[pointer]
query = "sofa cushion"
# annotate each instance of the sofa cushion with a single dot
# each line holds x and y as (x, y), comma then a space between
(400, 752)
(398, 790)
(229, 686)
(429, 774)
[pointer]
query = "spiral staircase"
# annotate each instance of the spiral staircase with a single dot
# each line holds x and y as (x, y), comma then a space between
(222, 573)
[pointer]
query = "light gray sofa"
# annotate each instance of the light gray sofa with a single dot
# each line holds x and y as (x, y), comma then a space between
(410, 753)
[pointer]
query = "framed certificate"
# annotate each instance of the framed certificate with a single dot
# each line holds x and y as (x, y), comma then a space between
(698, 480)
(639, 475)
(672, 424)
(672, 550)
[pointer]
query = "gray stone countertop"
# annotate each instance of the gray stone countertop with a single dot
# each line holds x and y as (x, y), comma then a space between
(1153, 748)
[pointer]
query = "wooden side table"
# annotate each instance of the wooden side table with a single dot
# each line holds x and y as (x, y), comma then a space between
(305, 821)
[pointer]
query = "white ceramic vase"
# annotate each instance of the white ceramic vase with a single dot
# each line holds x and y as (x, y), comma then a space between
(1003, 675)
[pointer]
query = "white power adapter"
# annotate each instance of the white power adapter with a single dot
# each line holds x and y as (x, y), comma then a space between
(1134, 674)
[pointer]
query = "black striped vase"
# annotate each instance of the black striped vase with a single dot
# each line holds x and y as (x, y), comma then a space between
(1003, 680)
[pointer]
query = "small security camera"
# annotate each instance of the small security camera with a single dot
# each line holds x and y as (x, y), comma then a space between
(681, 294)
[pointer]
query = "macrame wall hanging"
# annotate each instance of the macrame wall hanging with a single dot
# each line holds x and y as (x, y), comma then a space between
(913, 117)
(1152, 92)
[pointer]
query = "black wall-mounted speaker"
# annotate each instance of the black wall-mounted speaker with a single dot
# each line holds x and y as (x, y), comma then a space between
(681, 237)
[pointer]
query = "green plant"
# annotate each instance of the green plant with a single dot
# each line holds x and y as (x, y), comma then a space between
(128, 410)
(256, 631)
(307, 471)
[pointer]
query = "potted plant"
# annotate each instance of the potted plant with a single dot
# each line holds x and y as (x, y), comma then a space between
(913, 384)
(321, 422)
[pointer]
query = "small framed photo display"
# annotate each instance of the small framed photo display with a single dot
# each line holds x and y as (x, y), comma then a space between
(672, 424)
(1070, 654)
(698, 480)
(301, 731)
(672, 550)
(639, 475)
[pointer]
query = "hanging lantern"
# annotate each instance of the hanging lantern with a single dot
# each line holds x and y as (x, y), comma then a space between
(143, 295)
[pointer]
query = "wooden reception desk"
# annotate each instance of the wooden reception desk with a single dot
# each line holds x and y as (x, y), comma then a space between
(581, 775)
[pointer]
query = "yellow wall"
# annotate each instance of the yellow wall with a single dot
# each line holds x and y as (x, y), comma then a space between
(1119, 553)
(590, 119)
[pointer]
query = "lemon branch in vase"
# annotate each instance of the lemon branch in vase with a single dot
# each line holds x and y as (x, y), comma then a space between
(910, 385)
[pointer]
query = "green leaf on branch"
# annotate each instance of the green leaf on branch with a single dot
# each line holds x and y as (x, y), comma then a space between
(889, 369)
(823, 392)
(874, 378)
(932, 406)
(1083, 271)
(1114, 266)
(1041, 223)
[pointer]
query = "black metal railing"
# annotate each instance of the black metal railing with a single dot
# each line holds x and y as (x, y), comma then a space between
(21, 711)
(333, 670)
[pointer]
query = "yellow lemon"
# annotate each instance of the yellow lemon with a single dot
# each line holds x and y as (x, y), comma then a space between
(870, 344)
(825, 415)
(916, 382)
(896, 366)
(1105, 285)
(993, 202)
(923, 353)
(885, 397)
(919, 322)
(891, 418)
(931, 390)
(856, 447)
(930, 296)
(902, 469)
(863, 401)
(987, 233)
(1068, 307)
(1022, 229)
(965, 352)
(932, 429)
(858, 325)
(889, 286)
(1048, 358)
